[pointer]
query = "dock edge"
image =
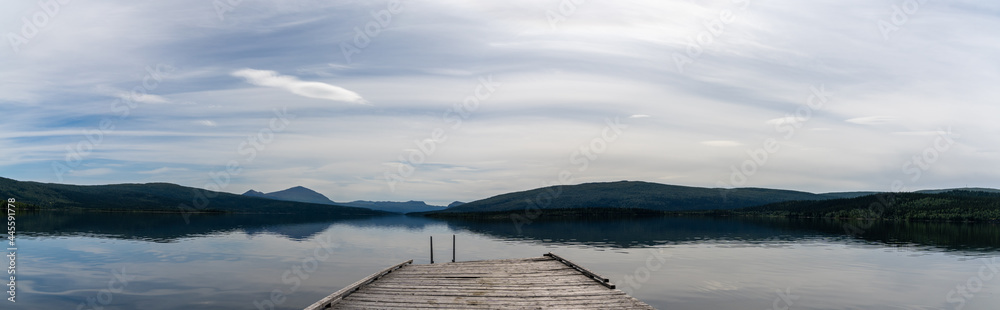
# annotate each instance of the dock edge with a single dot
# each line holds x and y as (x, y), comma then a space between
(328, 301)
(590, 274)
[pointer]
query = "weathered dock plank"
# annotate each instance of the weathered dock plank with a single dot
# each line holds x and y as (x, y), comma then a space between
(548, 282)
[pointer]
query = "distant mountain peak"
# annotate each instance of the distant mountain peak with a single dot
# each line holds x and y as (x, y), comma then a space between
(298, 188)
(304, 194)
(253, 193)
(298, 193)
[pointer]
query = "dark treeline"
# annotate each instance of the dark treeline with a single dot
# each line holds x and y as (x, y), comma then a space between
(950, 206)
(953, 206)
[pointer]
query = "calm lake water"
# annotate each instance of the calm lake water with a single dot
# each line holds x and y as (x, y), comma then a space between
(117, 261)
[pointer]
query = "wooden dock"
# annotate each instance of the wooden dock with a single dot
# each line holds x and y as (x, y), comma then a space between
(547, 282)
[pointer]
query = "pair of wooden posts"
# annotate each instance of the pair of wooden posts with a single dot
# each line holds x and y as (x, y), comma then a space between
(452, 249)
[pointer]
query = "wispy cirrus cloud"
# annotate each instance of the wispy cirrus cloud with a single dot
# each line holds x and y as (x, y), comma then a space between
(872, 120)
(921, 133)
(146, 98)
(721, 143)
(784, 120)
(162, 170)
(318, 90)
(91, 172)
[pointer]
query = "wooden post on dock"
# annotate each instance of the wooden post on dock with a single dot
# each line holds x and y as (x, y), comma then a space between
(452, 248)
(432, 249)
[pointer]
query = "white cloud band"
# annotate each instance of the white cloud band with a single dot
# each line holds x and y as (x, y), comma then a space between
(292, 84)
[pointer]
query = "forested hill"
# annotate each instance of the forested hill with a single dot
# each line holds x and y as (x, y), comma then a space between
(630, 195)
(955, 205)
(156, 197)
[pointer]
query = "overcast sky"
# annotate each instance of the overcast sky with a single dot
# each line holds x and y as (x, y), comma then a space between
(462, 100)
